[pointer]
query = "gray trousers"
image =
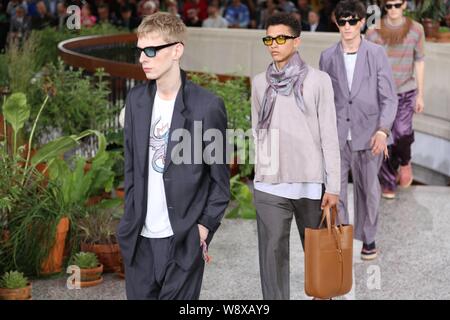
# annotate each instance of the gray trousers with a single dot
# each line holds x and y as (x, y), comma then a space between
(154, 275)
(274, 216)
(367, 191)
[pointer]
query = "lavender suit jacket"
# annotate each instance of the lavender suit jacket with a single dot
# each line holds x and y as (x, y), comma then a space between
(371, 104)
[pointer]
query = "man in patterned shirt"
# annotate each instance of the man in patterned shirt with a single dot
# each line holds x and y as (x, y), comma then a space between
(403, 40)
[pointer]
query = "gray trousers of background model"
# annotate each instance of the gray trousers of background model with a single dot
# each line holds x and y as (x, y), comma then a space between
(367, 191)
(274, 216)
(154, 275)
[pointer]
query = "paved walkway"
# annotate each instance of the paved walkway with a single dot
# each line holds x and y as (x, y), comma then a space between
(414, 263)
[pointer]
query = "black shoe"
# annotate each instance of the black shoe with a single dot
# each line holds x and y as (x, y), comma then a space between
(369, 251)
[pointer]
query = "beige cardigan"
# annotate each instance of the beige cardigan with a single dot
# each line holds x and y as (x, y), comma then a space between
(308, 148)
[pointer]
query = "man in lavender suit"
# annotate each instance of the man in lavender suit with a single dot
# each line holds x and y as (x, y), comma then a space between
(366, 104)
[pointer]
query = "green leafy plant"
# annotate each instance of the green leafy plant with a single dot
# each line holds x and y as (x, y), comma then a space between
(235, 93)
(77, 185)
(31, 204)
(21, 66)
(68, 109)
(431, 9)
(98, 225)
(13, 280)
(242, 200)
(85, 260)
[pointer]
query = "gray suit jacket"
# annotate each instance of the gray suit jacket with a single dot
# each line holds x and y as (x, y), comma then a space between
(371, 104)
(195, 193)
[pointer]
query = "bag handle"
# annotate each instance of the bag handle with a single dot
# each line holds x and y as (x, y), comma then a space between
(330, 218)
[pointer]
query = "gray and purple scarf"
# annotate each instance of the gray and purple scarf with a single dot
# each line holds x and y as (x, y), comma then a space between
(283, 82)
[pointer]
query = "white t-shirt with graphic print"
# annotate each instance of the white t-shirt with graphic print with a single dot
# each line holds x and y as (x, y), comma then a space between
(157, 223)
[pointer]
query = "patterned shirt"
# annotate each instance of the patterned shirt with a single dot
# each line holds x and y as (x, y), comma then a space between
(403, 56)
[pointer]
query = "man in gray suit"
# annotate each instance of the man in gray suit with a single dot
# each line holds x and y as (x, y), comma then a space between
(173, 203)
(366, 104)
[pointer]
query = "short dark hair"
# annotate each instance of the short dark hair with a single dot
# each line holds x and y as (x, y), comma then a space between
(353, 8)
(285, 19)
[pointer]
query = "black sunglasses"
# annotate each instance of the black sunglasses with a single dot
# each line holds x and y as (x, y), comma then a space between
(151, 51)
(352, 22)
(389, 6)
(281, 39)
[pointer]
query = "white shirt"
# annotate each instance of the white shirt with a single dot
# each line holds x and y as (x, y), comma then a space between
(295, 191)
(350, 62)
(313, 27)
(157, 223)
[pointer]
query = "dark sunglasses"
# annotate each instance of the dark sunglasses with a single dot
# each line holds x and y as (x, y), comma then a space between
(151, 51)
(281, 39)
(389, 6)
(352, 22)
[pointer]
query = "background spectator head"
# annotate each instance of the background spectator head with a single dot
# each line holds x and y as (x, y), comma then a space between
(172, 7)
(61, 8)
(20, 12)
(313, 17)
(125, 12)
(148, 8)
(41, 8)
(86, 10)
(213, 9)
(303, 4)
(103, 12)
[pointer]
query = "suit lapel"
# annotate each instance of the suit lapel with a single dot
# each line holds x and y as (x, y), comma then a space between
(178, 120)
(361, 69)
(143, 120)
(341, 72)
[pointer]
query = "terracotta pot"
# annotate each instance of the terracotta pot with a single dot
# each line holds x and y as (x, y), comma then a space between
(120, 193)
(92, 201)
(431, 28)
(108, 254)
(90, 277)
(16, 294)
(54, 261)
(443, 37)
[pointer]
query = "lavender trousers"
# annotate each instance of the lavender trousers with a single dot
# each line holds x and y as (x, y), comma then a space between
(403, 135)
(366, 191)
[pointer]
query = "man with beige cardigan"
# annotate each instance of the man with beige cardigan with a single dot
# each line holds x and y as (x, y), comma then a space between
(293, 116)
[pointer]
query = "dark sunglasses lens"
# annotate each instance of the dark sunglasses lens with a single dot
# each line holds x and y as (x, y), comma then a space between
(352, 22)
(267, 41)
(280, 39)
(396, 5)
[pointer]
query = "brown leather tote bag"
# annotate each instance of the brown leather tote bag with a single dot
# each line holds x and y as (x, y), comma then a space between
(328, 257)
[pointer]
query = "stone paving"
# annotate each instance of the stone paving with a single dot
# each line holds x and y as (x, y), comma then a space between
(414, 262)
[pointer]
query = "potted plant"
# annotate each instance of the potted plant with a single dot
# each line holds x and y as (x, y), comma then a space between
(14, 286)
(33, 210)
(90, 269)
(97, 232)
(430, 13)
